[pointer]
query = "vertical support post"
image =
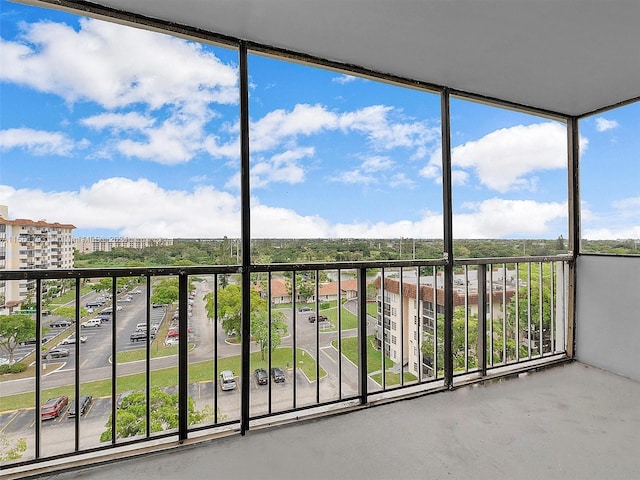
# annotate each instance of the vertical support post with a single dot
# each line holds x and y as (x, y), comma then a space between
(573, 143)
(77, 367)
(183, 360)
(362, 335)
(246, 237)
(447, 210)
(482, 319)
(36, 411)
(114, 359)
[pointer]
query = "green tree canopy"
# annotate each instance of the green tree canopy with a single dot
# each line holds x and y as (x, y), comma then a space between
(132, 414)
(15, 329)
(260, 329)
(165, 291)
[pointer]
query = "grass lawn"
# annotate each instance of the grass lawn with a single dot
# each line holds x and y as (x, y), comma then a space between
(167, 377)
(158, 349)
(349, 320)
(372, 309)
(67, 297)
(393, 378)
(374, 357)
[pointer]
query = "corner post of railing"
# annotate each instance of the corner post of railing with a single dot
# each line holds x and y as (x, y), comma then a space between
(482, 319)
(447, 209)
(183, 360)
(362, 335)
(245, 232)
(573, 141)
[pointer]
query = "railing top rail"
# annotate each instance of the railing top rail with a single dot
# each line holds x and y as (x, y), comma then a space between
(280, 267)
(528, 259)
(117, 272)
(272, 267)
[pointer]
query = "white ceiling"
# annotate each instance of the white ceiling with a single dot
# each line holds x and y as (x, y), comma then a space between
(565, 56)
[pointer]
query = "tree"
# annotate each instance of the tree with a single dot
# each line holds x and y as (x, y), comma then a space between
(103, 285)
(260, 329)
(427, 347)
(230, 307)
(131, 417)
(165, 291)
(15, 329)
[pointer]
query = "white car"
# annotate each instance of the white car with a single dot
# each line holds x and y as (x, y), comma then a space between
(72, 339)
(94, 322)
(171, 341)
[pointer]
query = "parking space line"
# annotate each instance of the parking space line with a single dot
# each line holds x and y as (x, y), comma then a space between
(15, 415)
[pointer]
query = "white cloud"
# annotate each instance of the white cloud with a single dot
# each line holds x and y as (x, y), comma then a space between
(121, 68)
(119, 121)
(141, 208)
(504, 159)
(376, 164)
(282, 168)
(354, 177)
(501, 218)
(36, 142)
(279, 125)
(621, 221)
(401, 180)
(602, 124)
(112, 65)
(342, 79)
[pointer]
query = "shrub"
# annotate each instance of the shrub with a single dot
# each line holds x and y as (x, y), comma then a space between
(325, 305)
(15, 368)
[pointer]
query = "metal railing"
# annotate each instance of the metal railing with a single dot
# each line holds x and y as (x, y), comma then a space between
(342, 335)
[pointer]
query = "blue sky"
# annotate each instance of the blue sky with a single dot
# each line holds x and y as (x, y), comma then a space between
(126, 132)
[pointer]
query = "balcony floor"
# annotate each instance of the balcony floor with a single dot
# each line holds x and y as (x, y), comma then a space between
(571, 421)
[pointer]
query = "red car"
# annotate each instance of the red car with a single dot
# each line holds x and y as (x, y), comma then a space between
(53, 407)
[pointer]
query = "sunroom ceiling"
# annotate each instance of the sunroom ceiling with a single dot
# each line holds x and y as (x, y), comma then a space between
(565, 56)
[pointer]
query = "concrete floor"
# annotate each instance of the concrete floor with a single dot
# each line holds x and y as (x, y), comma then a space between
(571, 421)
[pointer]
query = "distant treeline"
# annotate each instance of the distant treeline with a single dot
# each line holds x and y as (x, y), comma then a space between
(227, 251)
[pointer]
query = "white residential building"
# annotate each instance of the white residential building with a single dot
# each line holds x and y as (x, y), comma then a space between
(409, 318)
(101, 244)
(29, 245)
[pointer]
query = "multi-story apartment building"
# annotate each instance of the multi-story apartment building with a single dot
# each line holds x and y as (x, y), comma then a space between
(27, 245)
(410, 319)
(98, 244)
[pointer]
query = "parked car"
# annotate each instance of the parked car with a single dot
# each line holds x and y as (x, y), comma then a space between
(94, 322)
(321, 318)
(53, 407)
(93, 304)
(59, 323)
(304, 309)
(277, 374)
(83, 405)
(103, 318)
(227, 380)
(171, 341)
(173, 333)
(72, 339)
(56, 353)
(262, 377)
(126, 298)
(32, 341)
(4, 361)
(138, 336)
